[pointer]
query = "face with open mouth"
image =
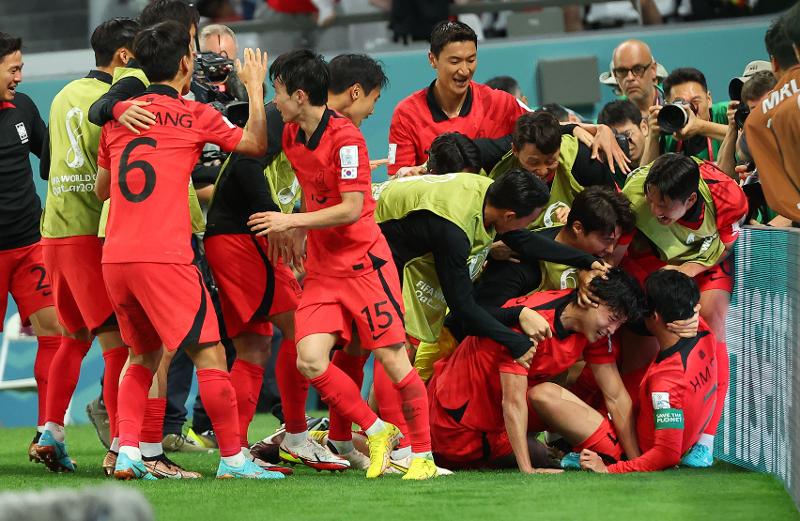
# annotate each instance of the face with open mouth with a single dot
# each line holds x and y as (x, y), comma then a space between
(10, 75)
(455, 65)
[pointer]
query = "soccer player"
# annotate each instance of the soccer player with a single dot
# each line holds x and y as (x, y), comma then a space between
(452, 102)
(72, 249)
(157, 294)
(479, 414)
(351, 284)
(688, 214)
(22, 271)
(677, 397)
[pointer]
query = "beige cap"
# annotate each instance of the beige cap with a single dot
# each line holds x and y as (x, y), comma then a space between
(735, 85)
(607, 78)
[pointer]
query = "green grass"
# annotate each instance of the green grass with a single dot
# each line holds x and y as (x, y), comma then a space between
(723, 492)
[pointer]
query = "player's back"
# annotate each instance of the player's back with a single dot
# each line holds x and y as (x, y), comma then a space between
(678, 390)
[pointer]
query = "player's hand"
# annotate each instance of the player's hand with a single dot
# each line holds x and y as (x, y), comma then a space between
(743, 172)
(499, 251)
(136, 118)
(686, 328)
(254, 70)
(606, 149)
(591, 461)
(586, 298)
(584, 136)
(525, 360)
(298, 249)
(279, 247)
(411, 171)
(652, 122)
(561, 214)
(534, 325)
(264, 223)
(375, 163)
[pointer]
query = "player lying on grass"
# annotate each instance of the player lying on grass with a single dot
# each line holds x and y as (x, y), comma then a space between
(688, 214)
(677, 396)
(479, 413)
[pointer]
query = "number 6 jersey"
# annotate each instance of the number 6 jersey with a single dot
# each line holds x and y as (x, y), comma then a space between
(149, 220)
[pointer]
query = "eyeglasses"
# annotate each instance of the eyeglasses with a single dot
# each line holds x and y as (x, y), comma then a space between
(637, 70)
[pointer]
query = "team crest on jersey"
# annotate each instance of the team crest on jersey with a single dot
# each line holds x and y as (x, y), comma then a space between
(660, 400)
(23, 133)
(348, 156)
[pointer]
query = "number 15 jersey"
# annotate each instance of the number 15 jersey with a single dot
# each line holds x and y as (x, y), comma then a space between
(149, 220)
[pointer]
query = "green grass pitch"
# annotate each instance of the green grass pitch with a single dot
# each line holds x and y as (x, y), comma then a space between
(723, 492)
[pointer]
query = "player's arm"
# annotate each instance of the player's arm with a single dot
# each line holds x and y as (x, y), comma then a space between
(109, 106)
(252, 74)
(533, 247)
(619, 405)
(38, 131)
(102, 185)
(44, 159)
(400, 139)
(589, 171)
(604, 145)
(515, 416)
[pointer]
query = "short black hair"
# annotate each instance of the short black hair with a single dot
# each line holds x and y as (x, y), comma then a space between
(618, 112)
(757, 85)
(159, 11)
(348, 69)
(302, 70)
(504, 83)
(674, 175)
(671, 294)
(684, 75)
(160, 48)
(448, 32)
(560, 112)
(539, 128)
(112, 35)
(779, 46)
(620, 292)
(9, 44)
(453, 152)
(602, 209)
(791, 24)
(519, 191)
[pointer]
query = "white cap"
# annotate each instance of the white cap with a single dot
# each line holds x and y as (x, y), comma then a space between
(735, 85)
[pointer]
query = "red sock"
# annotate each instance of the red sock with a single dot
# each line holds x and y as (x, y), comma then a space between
(153, 422)
(219, 399)
(130, 410)
(723, 378)
(246, 379)
(292, 386)
(115, 359)
(353, 366)
(341, 394)
(65, 369)
(390, 403)
(48, 346)
(415, 410)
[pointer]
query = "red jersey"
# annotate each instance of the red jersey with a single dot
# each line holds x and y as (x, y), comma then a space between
(676, 402)
(418, 120)
(558, 353)
(332, 161)
(149, 219)
(292, 6)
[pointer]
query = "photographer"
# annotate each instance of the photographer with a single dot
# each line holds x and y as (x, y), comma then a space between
(626, 121)
(772, 131)
(702, 126)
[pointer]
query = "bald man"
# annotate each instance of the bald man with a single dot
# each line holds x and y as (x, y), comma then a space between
(635, 71)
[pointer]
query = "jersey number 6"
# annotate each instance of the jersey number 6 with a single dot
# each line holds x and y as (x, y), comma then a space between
(146, 168)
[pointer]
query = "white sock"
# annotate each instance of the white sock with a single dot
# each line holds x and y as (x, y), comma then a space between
(40, 429)
(114, 445)
(375, 428)
(132, 452)
(295, 439)
(342, 447)
(56, 430)
(426, 455)
(237, 460)
(404, 452)
(151, 450)
(246, 453)
(707, 440)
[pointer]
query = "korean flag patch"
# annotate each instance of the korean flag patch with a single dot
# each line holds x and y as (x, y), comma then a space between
(348, 156)
(350, 172)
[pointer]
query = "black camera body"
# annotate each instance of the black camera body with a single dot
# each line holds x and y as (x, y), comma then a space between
(211, 69)
(740, 116)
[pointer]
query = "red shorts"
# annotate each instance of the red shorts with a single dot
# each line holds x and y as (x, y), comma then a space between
(372, 304)
(251, 289)
(603, 441)
(73, 264)
(160, 304)
(22, 273)
(455, 446)
(716, 277)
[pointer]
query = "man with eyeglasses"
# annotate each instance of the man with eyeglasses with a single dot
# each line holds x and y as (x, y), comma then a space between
(634, 69)
(625, 119)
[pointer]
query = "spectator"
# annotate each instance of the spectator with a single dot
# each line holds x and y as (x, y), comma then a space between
(779, 48)
(707, 122)
(626, 120)
(221, 39)
(507, 84)
(635, 71)
(303, 19)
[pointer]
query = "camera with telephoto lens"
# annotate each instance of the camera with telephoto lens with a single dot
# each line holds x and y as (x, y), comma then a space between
(740, 116)
(210, 69)
(674, 116)
(624, 144)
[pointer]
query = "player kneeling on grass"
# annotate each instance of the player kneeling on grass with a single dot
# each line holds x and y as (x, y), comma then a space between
(156, 292)
(479, 414)
(676, 396)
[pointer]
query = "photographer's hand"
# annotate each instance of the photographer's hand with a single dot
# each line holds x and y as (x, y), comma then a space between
(136, 117)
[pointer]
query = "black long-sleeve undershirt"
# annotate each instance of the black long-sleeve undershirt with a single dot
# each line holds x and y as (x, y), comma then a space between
(102, 110)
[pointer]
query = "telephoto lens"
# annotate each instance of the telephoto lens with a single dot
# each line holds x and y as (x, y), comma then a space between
(672, 117)
(740, 116)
